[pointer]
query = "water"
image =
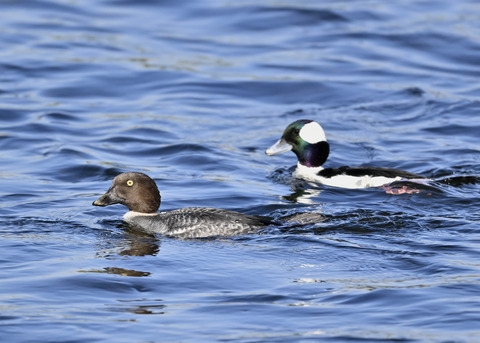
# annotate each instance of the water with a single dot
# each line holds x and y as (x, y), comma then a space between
(192, 95)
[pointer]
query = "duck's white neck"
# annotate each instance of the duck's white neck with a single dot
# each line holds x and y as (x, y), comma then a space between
(132, 214)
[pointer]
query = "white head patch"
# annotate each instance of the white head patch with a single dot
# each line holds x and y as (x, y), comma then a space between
(312, 133)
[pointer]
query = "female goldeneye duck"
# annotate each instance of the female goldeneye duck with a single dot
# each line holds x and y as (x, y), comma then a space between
(140, 194)
(307, 140)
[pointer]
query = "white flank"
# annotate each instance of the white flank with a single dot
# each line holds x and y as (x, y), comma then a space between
(312, 133)
(343, 181)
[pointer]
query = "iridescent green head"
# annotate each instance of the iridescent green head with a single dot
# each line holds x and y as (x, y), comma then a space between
(306, 139)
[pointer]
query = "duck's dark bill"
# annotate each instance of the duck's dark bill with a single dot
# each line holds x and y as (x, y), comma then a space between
(108, 198)
(280, 146)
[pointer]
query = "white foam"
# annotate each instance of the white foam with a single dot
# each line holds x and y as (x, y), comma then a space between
(312, 133)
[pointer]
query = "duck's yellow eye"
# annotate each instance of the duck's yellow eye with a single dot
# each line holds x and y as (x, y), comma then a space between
(129, 183)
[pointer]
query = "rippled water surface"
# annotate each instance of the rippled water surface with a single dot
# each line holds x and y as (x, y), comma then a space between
(192, 94)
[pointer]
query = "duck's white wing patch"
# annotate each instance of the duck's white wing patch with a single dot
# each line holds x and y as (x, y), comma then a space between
(312, 133)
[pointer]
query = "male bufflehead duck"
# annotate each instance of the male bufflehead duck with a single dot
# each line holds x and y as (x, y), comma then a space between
(307, 140)
(140, 194)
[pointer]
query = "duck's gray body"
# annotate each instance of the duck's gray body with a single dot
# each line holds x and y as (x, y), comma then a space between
(196, 222)
(140, 194)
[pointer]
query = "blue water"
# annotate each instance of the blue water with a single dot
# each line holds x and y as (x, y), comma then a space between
(192, 94)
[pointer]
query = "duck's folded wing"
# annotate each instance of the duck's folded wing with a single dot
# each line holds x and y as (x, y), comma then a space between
(204, 222)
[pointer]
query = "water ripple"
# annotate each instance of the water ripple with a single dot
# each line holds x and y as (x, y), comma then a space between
(192, 95)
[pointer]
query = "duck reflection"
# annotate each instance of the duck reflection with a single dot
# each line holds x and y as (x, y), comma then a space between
(132, 242)
(302, 192)
(302, 195)
(119, 271)
(139, 243)
(140, 306)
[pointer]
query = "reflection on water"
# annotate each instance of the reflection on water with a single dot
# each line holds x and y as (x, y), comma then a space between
(140, 306)
(117, 271)
(303, 196)
(130, 242)
(139, 243)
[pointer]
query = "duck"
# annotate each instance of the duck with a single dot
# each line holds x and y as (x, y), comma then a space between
(307, 139)
(140, 194)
